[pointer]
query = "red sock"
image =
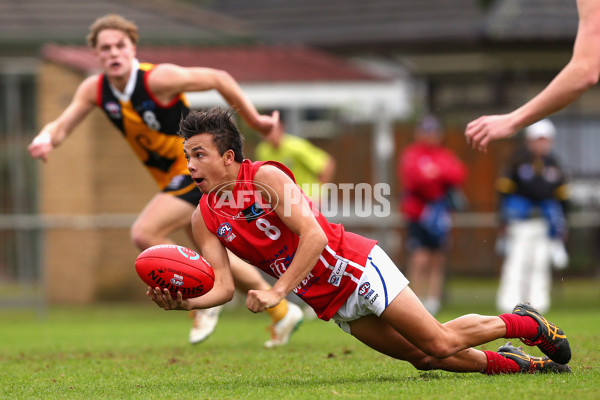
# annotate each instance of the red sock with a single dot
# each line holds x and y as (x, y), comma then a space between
(498, 364)
(520, 326)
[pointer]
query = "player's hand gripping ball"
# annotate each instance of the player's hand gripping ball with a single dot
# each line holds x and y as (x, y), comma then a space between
(175, 268)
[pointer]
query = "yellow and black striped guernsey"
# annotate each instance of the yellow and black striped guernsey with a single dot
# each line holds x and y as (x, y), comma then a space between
(149, 127)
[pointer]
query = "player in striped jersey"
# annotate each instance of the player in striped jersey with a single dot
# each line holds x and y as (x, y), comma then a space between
(146, 102)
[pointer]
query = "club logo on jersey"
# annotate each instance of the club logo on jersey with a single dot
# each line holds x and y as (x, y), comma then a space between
(177, 280)
(113, 109)
(147, 105)
(280, 265)
(248, 200)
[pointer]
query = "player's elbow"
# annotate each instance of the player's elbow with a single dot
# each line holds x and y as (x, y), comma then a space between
(590, 79)
(587, 73)
(319, 238)
(228, 293)
(222, 78)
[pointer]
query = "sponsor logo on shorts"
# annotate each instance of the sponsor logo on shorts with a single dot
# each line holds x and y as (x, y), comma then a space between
(373, 299)
(364, 289)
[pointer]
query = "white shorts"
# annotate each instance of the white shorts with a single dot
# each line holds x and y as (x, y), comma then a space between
(379, 284)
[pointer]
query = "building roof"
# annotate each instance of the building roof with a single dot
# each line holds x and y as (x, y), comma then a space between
(32, 22)
(353, 25)
(406, 24)
(342, 22)
(527, 20)
(247, 64)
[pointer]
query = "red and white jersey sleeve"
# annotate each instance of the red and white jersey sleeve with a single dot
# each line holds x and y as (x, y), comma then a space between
(246, 224)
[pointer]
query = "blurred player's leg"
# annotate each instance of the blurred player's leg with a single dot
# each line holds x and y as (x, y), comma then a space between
(437, 276)
(514, 268)
(282, 329)
(285, 316)
(205, 322)
(163, 215)
(541, 275)
(418, 271)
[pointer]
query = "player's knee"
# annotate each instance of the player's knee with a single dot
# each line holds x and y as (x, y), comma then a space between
(438, 349)
(425, 363)
(140, 237)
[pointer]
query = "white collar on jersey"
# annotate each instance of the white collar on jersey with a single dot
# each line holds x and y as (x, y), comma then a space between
(126, 95)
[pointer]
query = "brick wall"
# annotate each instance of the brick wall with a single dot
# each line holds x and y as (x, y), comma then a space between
(92, 172)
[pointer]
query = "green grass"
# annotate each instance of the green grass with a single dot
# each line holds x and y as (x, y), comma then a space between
(136, 351)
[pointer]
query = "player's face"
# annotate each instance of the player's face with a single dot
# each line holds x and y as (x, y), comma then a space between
(206, 165)
(541, 146)
(116, 52)
(432, 138)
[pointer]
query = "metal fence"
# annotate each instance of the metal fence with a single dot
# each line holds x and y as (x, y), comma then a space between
(22, 278)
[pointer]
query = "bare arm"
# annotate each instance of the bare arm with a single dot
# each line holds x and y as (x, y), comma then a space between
(326, 175)
(581, 73)
(214, 252)
(55, 132)
(168, 80)
(294, 211)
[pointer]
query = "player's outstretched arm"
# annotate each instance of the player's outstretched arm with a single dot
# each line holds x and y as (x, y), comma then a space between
(55, 132)
(215, 254)
(168, 80)
(581, 73)
(293, 209)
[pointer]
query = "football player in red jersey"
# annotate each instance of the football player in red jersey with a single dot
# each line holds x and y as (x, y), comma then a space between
(256, 210)
(146, 102)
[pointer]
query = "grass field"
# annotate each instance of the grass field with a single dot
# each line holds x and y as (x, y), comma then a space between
(136, 351)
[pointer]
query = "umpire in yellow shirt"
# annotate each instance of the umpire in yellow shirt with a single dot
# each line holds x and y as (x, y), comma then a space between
(311, 165)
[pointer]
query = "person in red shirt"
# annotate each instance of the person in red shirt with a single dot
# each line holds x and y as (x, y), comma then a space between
(428, 173)
(258, 212)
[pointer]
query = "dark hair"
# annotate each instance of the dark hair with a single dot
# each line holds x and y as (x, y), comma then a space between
(430, 123)
(219, 123)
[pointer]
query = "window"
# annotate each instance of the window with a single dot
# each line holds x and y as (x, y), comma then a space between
(18, 263)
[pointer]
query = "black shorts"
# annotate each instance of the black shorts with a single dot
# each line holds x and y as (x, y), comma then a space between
(184, 188)
(419, 237)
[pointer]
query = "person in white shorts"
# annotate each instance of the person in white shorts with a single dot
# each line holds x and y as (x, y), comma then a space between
(341, 275)
(380, 283)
